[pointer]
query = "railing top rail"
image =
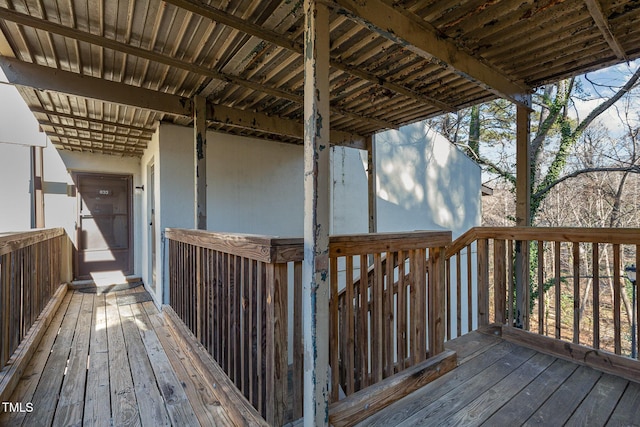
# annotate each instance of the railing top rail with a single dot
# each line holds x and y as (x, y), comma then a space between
(550, 234)
(358, 244)
(268, 249)
(13, 241)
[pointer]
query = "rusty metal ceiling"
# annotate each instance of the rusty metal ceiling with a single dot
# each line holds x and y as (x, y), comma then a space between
(392, 62)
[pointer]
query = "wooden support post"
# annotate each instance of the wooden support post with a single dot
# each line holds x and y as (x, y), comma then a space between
(371, 184)
(523, 216)
(200, 160)
(315, 298)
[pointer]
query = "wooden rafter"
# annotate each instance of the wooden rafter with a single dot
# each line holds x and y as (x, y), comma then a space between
(79, 118)
(418, 36)
(273, 37)
(595, 9)
(95, 131)
(51, 79)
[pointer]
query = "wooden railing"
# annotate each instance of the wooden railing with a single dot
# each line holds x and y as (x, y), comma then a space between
(231, 291)
(32, 266)
(394, 317)
(573, 290)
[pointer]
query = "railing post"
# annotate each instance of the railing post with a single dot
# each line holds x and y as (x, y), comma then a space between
(522, 284)
(437, 301)
(499, 280)
(276, 343)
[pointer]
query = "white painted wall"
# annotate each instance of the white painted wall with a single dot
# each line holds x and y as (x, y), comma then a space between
(423, 182)
(17, 124)
(15, 187)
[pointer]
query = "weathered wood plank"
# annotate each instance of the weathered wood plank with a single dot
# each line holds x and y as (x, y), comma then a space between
(177, 405)
(260, 248)
(583, 355)
(48, 390)
(358, 244)
(366, 402)
(472, 344)
(239, 409)
(477, 411)
(97, 404)
(596, 408)
(70, 408)
(26, 387)
(124, 406)
(459, 397)
(15, 241)
(523, 404)
(559, 407)
(150, 403)
(19, 361)
(626, 413)
(398, 412)
(202, 398)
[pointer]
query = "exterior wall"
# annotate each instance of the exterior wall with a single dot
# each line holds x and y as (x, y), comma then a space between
(423, 182)
(15, 187)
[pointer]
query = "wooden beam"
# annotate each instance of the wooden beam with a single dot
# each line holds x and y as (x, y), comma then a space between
(523, 215)
(315, 271)
(370, 400)
(595, 9)
(415, 34)
(170, 61)
(46, 78)
(277, 39)
(200, 160)
(117, 125)
(95, 131)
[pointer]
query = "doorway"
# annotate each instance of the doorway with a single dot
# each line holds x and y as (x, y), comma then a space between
(104, 224)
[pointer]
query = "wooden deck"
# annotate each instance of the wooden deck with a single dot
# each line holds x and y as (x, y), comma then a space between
(108, 360)
(499, 383)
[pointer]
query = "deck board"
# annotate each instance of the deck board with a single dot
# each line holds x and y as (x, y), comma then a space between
(107, 360)
(500, 383)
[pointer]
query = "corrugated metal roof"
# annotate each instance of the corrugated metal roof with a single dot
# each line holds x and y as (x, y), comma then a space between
(247, 55)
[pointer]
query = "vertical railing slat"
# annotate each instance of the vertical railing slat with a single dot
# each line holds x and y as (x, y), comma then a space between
(576, 292)
(558, 283)
(596, 295)
(616, 300)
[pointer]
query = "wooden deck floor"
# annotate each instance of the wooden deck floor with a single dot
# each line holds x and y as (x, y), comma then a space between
(498, 383)
(108, 360)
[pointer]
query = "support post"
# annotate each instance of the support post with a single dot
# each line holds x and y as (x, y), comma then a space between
(200, 160)
(371, 184)
(523, 215)
(315, 297)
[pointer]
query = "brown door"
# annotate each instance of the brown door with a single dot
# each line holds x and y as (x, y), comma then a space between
(104, 224)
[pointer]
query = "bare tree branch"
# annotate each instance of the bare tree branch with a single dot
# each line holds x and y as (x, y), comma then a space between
(628, 169)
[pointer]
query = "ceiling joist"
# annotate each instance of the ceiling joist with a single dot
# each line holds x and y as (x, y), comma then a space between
(79, 118)
(51, 79)
(416, 35)
(74, 34)
(595, 9)
(277, 39)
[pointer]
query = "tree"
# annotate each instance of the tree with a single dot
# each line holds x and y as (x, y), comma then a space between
(555, 133)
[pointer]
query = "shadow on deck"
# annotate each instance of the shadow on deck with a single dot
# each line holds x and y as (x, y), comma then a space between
(108, 360)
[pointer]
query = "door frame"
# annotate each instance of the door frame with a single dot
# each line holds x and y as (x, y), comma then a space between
(77, 177)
